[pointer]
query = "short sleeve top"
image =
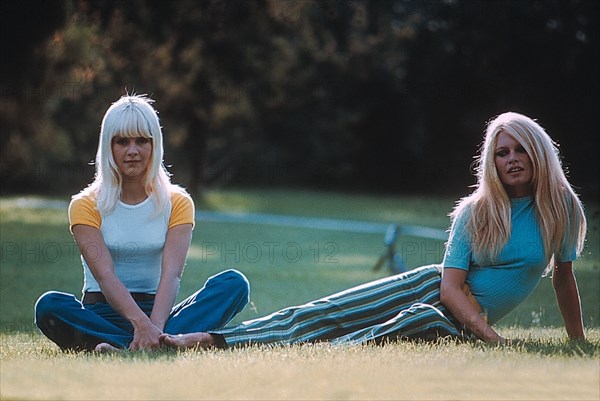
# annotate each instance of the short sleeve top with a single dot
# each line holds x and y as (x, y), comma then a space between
(135, 236)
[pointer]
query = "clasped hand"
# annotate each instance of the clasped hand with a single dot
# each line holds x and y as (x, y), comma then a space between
(146, 336)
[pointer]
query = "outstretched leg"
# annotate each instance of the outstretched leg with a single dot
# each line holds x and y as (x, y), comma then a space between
(340, 314)
(420, 321)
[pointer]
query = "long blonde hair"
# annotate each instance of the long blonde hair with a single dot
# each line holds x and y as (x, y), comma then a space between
(130, 116)
(560, 212)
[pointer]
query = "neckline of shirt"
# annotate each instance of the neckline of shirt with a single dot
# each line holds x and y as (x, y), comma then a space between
(520, 199)
(130, 206)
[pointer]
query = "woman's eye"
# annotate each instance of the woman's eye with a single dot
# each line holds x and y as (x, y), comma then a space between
(121, 141)
(501, 153)
(143, 140)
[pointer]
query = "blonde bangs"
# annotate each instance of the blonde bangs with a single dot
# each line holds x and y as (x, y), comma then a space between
(130, 123)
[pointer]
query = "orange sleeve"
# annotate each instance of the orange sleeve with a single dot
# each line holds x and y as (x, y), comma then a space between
(82, 210)
(182, 210)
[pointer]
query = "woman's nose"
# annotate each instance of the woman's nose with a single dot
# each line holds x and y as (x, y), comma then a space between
(132, 149)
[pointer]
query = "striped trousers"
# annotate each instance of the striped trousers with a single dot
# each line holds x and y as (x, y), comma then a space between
(406, 305)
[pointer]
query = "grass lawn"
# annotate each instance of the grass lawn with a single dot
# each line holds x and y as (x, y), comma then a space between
(289, 266)
(548, 369)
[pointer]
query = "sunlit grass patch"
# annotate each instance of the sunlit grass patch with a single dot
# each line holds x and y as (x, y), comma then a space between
(543, 367)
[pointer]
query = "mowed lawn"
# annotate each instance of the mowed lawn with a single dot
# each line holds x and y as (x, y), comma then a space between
(288, 266)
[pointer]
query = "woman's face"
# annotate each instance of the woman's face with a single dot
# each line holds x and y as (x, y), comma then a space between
(514, 166)
(132, 156)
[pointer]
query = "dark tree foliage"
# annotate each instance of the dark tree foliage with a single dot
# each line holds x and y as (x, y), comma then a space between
(386, 96)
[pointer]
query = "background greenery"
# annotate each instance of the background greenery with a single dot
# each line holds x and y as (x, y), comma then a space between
(285, 266)
(382, 96)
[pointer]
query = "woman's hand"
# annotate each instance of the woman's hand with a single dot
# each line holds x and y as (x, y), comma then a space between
(145, 336)
(454, 298)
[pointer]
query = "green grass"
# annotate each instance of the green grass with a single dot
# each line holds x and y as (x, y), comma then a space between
(38, 254)
(285, 266)
(546, 369)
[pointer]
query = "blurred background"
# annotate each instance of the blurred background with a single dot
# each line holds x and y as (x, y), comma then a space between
(370, 96)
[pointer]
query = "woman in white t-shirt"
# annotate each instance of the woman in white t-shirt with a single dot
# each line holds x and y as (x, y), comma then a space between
(133, 228)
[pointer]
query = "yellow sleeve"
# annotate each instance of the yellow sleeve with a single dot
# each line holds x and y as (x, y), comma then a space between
(182, 210)
(82, 210)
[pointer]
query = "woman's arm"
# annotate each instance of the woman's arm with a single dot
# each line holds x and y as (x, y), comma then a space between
(567, 296)
(453, 297)
(94, 250)
(173, 261)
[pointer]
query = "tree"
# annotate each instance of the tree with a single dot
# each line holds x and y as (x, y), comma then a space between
(26, 147)
(387, 96)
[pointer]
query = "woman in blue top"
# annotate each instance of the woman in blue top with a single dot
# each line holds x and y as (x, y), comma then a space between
(522, 219)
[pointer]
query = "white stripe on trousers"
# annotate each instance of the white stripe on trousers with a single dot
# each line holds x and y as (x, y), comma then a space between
(405, 305)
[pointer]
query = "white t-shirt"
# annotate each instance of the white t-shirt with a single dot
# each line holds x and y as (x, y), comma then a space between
(135, 236)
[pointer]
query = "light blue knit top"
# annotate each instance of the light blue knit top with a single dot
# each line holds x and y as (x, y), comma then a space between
(501, 285)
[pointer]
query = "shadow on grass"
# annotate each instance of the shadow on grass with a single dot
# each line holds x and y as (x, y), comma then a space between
(558, 348)
(161, 355)
(543, 347)
(19, 344)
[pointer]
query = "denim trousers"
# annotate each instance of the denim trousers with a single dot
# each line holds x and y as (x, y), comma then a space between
(73, 325)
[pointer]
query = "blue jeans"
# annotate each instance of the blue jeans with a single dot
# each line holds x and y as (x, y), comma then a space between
(73, 325)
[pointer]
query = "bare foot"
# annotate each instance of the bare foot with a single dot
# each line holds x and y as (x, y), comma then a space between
(192, 340)
(105, 348)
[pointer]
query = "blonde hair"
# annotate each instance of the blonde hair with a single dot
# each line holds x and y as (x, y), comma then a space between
(560, 212)
(130, 116)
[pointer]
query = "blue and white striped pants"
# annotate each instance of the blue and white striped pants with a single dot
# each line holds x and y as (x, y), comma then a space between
(406, 305)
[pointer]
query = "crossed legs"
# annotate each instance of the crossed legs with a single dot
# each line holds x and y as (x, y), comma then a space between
(72, 325)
